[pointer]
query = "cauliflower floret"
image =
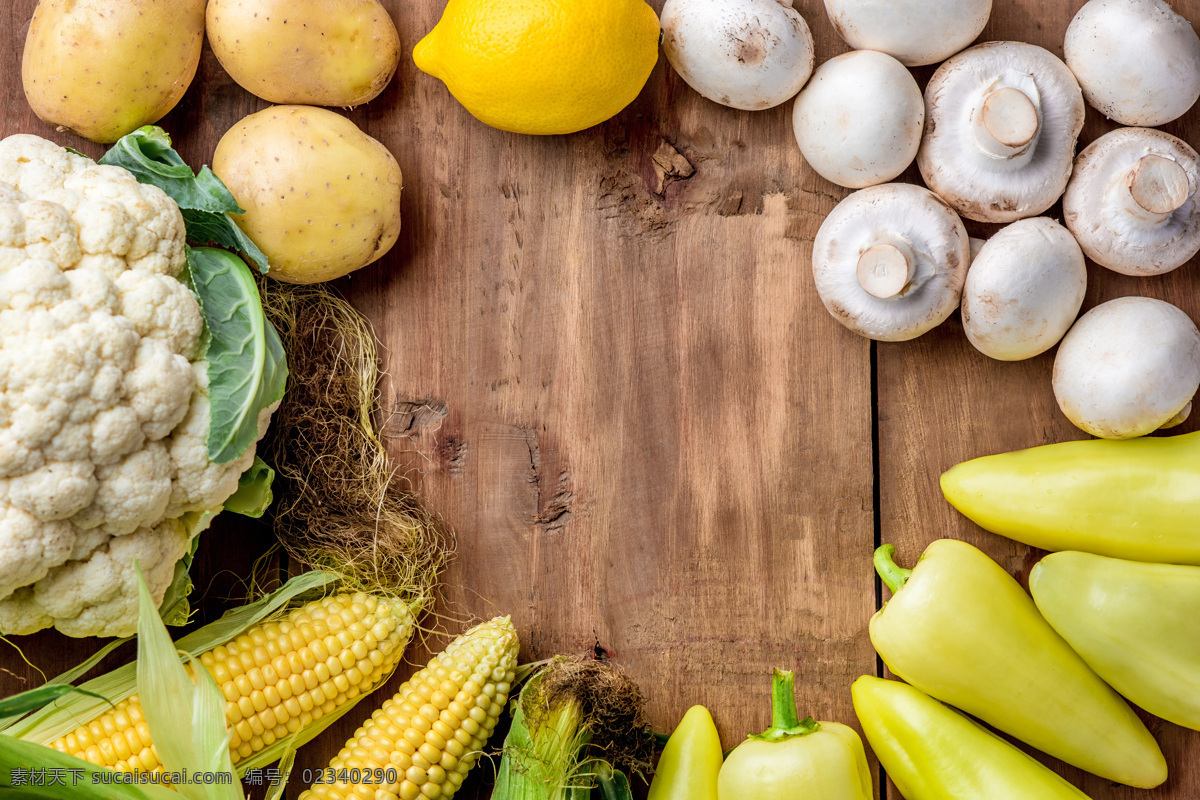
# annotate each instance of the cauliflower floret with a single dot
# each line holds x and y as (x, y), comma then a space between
(21, 614)
(28, 546)
(34, 165)
(98, 597)
(58, 490)
(103, 393)
(160, 308)
(159, 388)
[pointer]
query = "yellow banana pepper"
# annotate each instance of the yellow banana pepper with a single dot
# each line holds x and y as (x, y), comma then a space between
(1137, 499)
(1136, 624)
(933, 753)
(961, 629)
(691, 761)
(794, 759)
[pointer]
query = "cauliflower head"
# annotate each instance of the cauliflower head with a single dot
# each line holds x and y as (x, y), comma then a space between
(104, 403)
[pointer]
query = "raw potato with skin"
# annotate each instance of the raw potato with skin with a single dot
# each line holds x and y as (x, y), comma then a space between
(104, 69)
(322, 198)
(313, 52)
(104, 408)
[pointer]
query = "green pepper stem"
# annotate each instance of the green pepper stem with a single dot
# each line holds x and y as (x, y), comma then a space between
(892, 574)
(783, 700)
(785, 722)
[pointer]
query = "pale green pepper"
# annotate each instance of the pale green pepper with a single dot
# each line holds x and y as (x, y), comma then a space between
(1136, 624)
(960, 628)
(934, 753)
(691, 761)
(1137, 499)
(794, 759)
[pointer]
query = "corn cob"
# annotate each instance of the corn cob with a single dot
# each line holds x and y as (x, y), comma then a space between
(277, 677)
(424, 740)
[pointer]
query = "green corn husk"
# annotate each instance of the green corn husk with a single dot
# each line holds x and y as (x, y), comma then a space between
(17, 755)
(578, 726)
(543, 766)
(60, 715)
(186, 718)
(185, 714)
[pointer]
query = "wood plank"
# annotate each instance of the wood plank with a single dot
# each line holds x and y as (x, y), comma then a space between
(622, 391)
(942, 402)
(617, 395)
(626, 374)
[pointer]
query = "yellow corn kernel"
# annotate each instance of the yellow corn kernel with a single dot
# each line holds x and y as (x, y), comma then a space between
(415, 738)
(267, 677)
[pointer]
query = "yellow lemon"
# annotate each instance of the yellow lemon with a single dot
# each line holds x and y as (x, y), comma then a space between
(542, 66)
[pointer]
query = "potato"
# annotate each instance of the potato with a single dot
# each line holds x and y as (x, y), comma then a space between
(311, 52)
(104, 68)
(322, 198)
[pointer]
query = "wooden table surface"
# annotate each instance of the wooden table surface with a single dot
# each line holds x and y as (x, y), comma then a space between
(615, 380)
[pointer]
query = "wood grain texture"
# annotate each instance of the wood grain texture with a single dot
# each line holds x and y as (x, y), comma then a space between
(611, 383)
(609, 371)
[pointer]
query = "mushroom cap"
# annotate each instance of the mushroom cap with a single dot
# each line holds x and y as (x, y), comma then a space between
(1127, 367)
(746, 54)
(1112, 232)
(858, 121)
(982, 186)
(1137, 60)
(1023, 290)
(894, 216)
(914, 31)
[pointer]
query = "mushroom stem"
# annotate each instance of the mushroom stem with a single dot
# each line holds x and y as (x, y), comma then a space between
(1007, 123)
(1157, 188)
(1179, 418)
(884, 270)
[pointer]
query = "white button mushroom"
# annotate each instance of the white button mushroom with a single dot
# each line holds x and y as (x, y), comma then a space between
(889, 261)
(1023, 290)
(1128, 367)
(976, 247)
(1137, 60)
(1132, 204)
(1002, 119)
(859, 120)
(914, 31)
(747, 54)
